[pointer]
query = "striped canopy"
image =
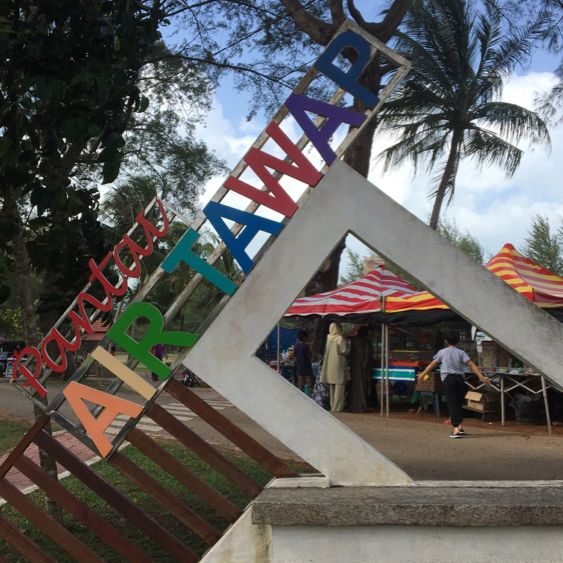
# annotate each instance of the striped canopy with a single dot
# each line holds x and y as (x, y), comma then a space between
(536, 283)
(531, 280)
(359, 297)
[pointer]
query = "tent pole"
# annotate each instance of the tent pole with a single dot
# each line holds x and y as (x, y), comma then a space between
(382, 379)
(387, 370)
(278, 349)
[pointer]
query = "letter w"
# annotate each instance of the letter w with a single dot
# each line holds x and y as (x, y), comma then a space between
(275, 197)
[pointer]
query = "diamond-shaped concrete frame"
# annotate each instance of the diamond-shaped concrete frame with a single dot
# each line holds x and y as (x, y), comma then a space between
(345, 202)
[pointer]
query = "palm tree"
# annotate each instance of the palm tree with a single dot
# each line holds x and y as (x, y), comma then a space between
(447, 108)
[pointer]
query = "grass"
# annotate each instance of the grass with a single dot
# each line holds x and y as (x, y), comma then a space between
(146, 503)
(11, 432)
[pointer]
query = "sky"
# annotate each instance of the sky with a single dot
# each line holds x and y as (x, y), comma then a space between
(494, 209)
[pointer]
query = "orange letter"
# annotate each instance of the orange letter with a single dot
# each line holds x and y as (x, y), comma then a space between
(76, 393)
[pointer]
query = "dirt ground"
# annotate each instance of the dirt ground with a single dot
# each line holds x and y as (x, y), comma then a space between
(420, 445)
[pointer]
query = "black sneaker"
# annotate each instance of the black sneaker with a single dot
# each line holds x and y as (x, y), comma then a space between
(462, 431)
(456, 435)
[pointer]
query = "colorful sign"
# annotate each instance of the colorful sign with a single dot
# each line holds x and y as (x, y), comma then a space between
(319, 122)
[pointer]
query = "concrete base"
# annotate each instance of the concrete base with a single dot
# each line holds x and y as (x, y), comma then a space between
(436, 522)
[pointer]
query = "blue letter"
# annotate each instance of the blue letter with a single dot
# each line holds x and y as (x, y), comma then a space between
(215, 213)
(348, 80)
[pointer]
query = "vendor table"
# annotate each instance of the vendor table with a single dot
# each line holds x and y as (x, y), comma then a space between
(396, 374)
(505, 382)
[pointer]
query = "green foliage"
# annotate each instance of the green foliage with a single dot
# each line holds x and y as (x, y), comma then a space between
(464, 241)
(543, 246)
(355, 269)
(447, 109)
(69, 86)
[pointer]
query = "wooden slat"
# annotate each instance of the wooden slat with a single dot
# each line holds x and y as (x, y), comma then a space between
(204, 450)
(22, 445)
(187, 477)
(22, 544)
(223, 425)
(92, 520)
(113, 497)
(60, 535)
(163, 496)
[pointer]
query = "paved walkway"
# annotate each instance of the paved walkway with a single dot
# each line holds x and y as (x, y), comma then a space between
(68, 441)
(146, 425)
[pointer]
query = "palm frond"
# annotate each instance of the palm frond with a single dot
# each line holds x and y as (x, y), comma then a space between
(513, 122)
(488, 148)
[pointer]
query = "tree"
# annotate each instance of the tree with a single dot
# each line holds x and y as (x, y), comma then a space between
(547, 16)
(464, 241)
(64, 93)
(544, 247)
(447, 107)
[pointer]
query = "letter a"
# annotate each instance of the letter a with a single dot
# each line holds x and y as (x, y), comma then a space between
(216, 212)
(76, 394)
(298, 106)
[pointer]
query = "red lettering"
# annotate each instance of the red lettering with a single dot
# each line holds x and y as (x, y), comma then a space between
(148, 227)
(22, 370)
(98, 275)
(275, 197)
(49, 362)
(126, 242)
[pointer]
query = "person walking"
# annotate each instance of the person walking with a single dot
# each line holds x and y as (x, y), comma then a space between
(452, 361)
(159, 352)
(335, 371)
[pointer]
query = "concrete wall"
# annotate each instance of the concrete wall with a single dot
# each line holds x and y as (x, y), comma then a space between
(416, 544)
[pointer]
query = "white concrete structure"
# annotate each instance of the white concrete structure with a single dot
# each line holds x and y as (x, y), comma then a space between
(345, 201)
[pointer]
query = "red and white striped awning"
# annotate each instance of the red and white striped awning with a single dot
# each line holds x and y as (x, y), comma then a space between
(536, 283)
(358, 297)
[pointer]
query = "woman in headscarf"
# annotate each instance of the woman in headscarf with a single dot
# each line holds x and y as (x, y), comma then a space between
(335, 367)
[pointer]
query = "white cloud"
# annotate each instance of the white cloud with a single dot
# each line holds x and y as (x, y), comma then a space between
(493, 208)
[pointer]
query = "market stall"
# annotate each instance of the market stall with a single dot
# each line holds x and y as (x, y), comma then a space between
(383, 297)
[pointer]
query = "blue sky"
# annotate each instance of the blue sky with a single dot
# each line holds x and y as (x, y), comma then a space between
(493, 208)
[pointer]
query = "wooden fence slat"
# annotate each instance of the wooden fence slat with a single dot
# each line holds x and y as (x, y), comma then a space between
(22, 445)
(22, 544)
(59, 534)
(113, 497)
(187, 477)
(163, 496)
(92, 520)
(223, 425)
(204, 450)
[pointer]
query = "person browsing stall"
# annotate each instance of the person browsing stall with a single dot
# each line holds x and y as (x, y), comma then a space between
(452, 362)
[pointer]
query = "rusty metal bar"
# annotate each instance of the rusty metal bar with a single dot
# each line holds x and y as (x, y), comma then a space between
(204, 450)
(60, 535)
(223, 425)
(23, 544)
(92, 520)
(23, 444)
(163, 496)
(184, 475)
(118, 501)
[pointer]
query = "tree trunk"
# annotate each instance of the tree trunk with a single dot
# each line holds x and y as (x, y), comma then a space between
(29, 319)
(447, 178)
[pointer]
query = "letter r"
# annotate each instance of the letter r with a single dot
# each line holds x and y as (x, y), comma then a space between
(154, 334)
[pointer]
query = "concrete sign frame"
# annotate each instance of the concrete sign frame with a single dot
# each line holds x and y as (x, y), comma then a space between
(346, 202)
